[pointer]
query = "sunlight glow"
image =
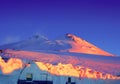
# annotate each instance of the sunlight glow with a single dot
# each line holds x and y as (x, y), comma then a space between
(75, 71)
(11, 65)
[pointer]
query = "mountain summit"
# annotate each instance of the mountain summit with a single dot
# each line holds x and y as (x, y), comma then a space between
(69, 43)
(79, 45)
(38, 36)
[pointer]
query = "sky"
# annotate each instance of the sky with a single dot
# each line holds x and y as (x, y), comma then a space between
(97, 21)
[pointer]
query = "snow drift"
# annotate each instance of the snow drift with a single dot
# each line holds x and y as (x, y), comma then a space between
(72, 64)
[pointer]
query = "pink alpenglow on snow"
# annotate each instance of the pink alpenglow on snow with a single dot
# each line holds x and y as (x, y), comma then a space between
(81, 46)
(11, 65)
(69, 56)
(68, 43)
(75, 71)
(77, 66)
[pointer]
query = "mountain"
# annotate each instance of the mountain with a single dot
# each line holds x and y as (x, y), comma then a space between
(69, 56)
(81, 46)
(68, 43)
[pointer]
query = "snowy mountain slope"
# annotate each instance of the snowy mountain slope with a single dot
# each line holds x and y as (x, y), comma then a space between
(69, 43)
(67, 56)
(79, 45)
(36, 42)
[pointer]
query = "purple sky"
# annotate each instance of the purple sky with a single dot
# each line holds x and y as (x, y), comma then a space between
(97, 21)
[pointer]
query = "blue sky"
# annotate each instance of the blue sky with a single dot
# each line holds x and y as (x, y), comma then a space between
(97, 21)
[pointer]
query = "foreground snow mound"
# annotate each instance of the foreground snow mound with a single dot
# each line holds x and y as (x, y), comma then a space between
(11, 65)
(72, 64)
(68, 43)
(75, 71)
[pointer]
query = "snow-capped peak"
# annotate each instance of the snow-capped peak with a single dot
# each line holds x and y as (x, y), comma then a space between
(68, 43)
(73, 37)
(38, 36)
(70, 37)
(80, 45)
